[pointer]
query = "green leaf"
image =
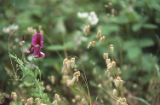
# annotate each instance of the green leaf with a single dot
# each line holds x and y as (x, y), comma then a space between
(16, 103)
(134, 53)
(109, 28)
(20, 62)
(146, 42)
(150, 26)
(148, 62)
(67, 46)
(136, 27)
(142, 100)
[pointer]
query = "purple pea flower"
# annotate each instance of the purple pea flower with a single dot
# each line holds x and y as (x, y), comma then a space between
(37, 44)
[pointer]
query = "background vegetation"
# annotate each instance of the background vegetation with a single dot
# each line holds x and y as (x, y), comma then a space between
(134, 31)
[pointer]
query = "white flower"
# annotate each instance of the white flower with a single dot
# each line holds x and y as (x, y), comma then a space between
(82, 14)
(10, 28)
(30, 57)
(6, 30)
(92, 18)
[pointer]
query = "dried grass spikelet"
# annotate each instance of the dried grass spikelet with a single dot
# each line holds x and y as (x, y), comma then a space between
(106, 6)
(68, 65)
(112, 12)
(111, 47)
(93, 43)
(76, 75)
(105, 55)
(110, 3)
(77, 97)
(86, 29)
(65, 66)
(109, 66)
(65, 78)
(29, 101)
(52, 79)
(40, 29)
(107, 73)
(102, 38)
(74, 79)
(118, 82)
(100, 85)
(70, 82)
(72, 62)
(73, 100)
(31, 30)
(89, 45)
(48, 88)
(113, 63)
(99, 33)
(57, 97)
(38, 101)
(108, 61)
(42, 83)
(122, 101)
(23, 101)
(115, 93)
(14, 96)
(83, 102)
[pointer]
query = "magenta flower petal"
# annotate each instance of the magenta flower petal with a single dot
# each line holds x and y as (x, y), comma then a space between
(41, 54)
(31, 50)
(37, 39)
(37, 44)
(36, 51)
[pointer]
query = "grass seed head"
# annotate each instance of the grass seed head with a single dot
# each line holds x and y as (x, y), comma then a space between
(99, 33)
(14, 96)
(111, 47)
(105, 55)
(86, 29)
(93, 43)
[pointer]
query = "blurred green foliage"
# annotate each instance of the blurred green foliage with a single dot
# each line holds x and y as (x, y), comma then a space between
(134, 31)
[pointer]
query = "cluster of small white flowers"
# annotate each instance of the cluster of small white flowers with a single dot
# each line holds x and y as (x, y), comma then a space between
(92, 17)
(10, 28)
